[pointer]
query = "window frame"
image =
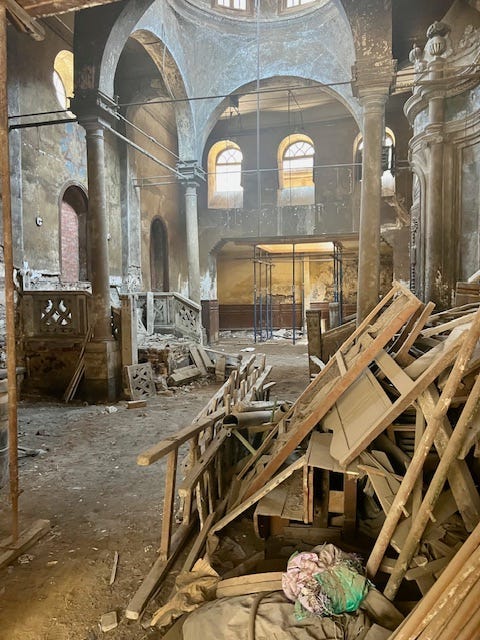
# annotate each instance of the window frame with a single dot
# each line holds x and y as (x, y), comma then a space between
(217, 199)
(248, 11)
(305, 176)
(283, 8)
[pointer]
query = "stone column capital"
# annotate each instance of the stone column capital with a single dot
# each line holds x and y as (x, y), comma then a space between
(373, 78)
(93, 109)
(192, 173)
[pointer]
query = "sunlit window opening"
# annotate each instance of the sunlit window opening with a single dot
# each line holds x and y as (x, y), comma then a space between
(237, 5)
(229, 170)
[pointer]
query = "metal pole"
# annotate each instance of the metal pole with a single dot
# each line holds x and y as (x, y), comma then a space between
(340, 307)
(270, 268)
(9, 284)
(294, 310)
(261, 296)
(255, 293)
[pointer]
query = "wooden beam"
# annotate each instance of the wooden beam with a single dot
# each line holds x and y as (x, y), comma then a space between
(164, 447)
(274, 482)
(14, 548)
(159, 569)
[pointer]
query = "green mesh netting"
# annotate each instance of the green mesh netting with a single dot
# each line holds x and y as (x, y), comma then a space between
(344, 588)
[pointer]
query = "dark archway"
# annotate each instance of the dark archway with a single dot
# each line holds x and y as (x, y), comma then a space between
(73, 235)
(159, 280)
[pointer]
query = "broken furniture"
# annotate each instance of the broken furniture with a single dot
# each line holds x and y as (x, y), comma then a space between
(392, 416)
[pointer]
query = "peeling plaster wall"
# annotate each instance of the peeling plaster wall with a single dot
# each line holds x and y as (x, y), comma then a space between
(219, 53)
(51, 157)
(164, 201)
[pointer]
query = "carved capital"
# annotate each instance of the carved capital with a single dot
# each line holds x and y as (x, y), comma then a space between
(93, 108)
(373, 77)
(192, 173)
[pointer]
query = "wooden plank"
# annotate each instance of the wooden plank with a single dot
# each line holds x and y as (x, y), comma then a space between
(361, 406)
(201, 538)
(162, 448)
(447, 326)
(205, 358)
(220, 369)
(157, 572)
(201, 464)
(251, 500)
(459, 476)
(358, 441)
(318, 454)
(197, 359)
(28, 537)
(428, 569)
(327, 387)
(402, 356)
(244, 585)
(168, 501)
(394, 372)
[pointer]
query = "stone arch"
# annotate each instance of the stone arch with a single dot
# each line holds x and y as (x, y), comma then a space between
(171, 74)
(73, 250)
(220, 107)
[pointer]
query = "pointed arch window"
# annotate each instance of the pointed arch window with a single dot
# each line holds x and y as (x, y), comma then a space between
(225, 189)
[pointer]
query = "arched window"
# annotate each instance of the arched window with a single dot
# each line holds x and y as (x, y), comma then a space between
(225, 189)
(63, 77)
(295, 170)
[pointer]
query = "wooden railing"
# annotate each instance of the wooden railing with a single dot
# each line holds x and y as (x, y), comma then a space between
(202, 489)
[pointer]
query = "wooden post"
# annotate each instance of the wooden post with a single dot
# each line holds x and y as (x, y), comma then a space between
(421, 452)
(129, 330)
(423, 613)
(168, 504)
(9, 285)
(435, 487)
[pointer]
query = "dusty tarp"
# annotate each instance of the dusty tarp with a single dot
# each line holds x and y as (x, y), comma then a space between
(231, 619)
(192, 588)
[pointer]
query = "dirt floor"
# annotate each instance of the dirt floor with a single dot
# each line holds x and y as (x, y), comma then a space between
(99, 501)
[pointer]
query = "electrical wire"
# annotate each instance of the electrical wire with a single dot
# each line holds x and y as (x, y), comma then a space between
(267, 90)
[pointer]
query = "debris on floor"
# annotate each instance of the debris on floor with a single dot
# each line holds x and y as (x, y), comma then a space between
(378, 454)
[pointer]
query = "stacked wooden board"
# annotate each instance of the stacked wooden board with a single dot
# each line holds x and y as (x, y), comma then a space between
(394, 412)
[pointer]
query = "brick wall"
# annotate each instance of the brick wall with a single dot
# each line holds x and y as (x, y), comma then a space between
(69, 249)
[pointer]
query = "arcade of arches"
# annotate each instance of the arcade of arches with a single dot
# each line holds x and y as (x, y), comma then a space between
(156, 152)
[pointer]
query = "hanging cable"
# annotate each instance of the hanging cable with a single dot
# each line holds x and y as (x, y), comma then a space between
(151, 138)
(259, 184)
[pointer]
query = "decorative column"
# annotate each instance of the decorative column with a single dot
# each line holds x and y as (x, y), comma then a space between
(371, 191)
(372, 92)
(192, 173)
(437, 288)
(102, 353)
(97, 230)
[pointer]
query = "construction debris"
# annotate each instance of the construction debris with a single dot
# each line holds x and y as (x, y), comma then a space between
(380, 442)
